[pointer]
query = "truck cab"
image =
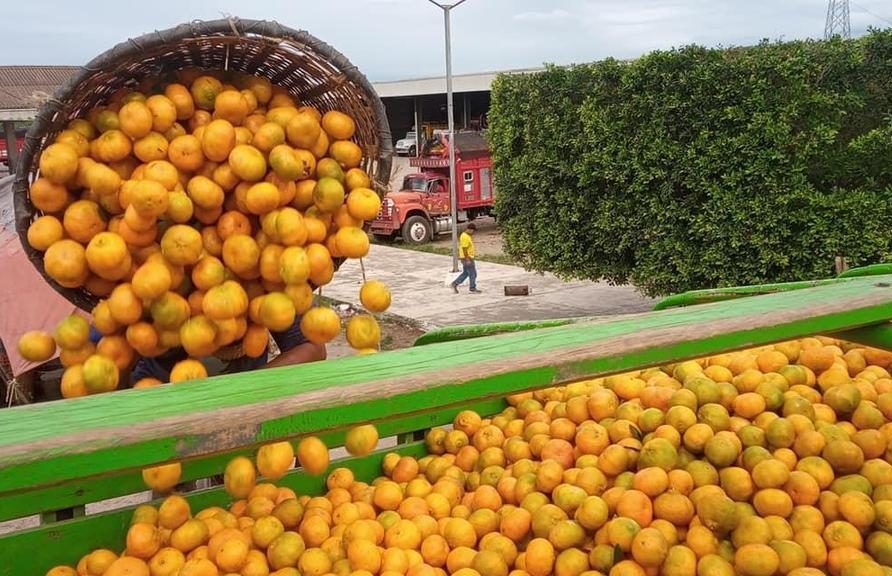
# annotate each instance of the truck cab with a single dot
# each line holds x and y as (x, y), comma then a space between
(421, 208)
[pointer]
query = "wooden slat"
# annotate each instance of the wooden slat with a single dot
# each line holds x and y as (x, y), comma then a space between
(34, 552)
(59, 441)
(84, 491)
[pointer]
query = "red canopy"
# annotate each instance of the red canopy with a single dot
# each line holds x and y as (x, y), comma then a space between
(27, 301)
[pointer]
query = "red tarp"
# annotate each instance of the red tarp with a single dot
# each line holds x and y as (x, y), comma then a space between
(27, 301)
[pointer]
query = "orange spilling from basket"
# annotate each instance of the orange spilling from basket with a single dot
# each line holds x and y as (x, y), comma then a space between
(204, 213)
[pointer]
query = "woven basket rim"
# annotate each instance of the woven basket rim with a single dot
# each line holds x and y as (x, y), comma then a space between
(130, 50)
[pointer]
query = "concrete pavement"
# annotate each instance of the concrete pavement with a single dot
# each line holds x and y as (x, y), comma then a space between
(418, 283)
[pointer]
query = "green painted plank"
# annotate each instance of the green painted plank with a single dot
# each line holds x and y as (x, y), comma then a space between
(465, 332)
(33, 552)
(83, 491)
(54, 442)
(878, 336)
(871, 270)
(696, 297)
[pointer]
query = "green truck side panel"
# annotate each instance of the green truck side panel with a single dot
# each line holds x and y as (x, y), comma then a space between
(47, 444)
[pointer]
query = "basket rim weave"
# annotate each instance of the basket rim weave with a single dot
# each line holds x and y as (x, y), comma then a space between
(130, 50)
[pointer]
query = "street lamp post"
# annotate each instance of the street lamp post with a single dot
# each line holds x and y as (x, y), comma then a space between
(453, 208)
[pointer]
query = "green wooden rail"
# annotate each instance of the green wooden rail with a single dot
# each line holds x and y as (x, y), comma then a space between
(695, 297)
(57, 447)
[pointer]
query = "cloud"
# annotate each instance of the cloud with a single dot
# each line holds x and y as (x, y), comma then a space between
(550, 16)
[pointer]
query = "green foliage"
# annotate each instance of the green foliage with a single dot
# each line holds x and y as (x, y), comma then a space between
(699, 168)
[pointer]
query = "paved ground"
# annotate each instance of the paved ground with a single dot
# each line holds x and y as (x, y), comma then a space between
(418, 281)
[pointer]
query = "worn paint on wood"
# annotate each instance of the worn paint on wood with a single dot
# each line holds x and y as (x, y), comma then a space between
(85, 490)
(34, 552)
(50, 443)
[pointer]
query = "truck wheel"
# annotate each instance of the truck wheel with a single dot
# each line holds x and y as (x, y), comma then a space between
(412, 151)
(417, 230)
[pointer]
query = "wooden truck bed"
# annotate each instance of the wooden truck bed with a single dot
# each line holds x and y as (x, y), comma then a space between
(69, 453)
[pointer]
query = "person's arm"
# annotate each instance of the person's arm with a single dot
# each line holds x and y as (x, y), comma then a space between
(300, 354)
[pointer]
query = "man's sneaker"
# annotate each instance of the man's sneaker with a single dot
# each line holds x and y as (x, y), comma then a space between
(475, 291)
(455, 288)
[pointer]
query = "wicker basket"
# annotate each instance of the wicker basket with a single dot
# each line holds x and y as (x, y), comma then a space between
(314, 72)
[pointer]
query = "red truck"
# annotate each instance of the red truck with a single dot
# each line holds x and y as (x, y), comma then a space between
(4, 154)
(421, 209)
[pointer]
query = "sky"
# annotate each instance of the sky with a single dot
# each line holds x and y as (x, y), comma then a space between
(400, 39)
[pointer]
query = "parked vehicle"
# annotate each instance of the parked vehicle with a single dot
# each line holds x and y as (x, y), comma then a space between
(4, 153)
(407, 146)
(421, 208)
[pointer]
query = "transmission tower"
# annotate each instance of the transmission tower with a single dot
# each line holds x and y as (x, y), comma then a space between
(838, 23)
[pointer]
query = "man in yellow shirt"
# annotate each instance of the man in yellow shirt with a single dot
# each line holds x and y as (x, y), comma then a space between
(466, 253)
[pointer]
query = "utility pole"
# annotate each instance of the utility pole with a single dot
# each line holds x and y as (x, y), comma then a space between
(453, 208)
(838, 22)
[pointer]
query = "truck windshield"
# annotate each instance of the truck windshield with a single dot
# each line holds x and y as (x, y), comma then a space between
(410, 136)
(416, 184)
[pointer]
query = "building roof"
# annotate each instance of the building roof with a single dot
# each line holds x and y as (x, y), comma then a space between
(24, 88)
(478, 82)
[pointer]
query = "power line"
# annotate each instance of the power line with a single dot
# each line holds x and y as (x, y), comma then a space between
(877, 16)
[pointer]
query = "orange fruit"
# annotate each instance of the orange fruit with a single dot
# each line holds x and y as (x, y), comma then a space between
(277, 312)
(58, 163)
(170, 311)
(116, 347)
(205, 193)
(375, 296)
(124, 305)
(48, 196)
(127, 566)
(204, 90)
(321, 264)
(82, 220)
(320, 325)
(107, 255)
(348, 154)
(312, 454)
(149, 198)
(185, 153)
(100, 374)
(164, 112)
(274, 460)
(181, 98)
(226, 301)
(248, 163)
(188, 369)
(72, 332)
(151, 147)
(111, 146)
(232, 223)
(135, 119)
(181, 245)
(303, 130)
(72, 385)
(151, 280)
(218, 140)
(328, 194)
(338, 125)
(363, 332)
(352, 242)
(363, 204)
(301, 296)
(241, 254)
(76, 356)
(208, 272)
(262, 198)
(361, 440)
(164, 477)
(198, 336)
(268, 136)
(240, 477)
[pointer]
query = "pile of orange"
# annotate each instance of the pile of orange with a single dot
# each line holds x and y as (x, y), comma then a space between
(203, 213)
(774, 461)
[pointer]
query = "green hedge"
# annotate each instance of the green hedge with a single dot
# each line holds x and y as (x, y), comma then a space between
(699, 168)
